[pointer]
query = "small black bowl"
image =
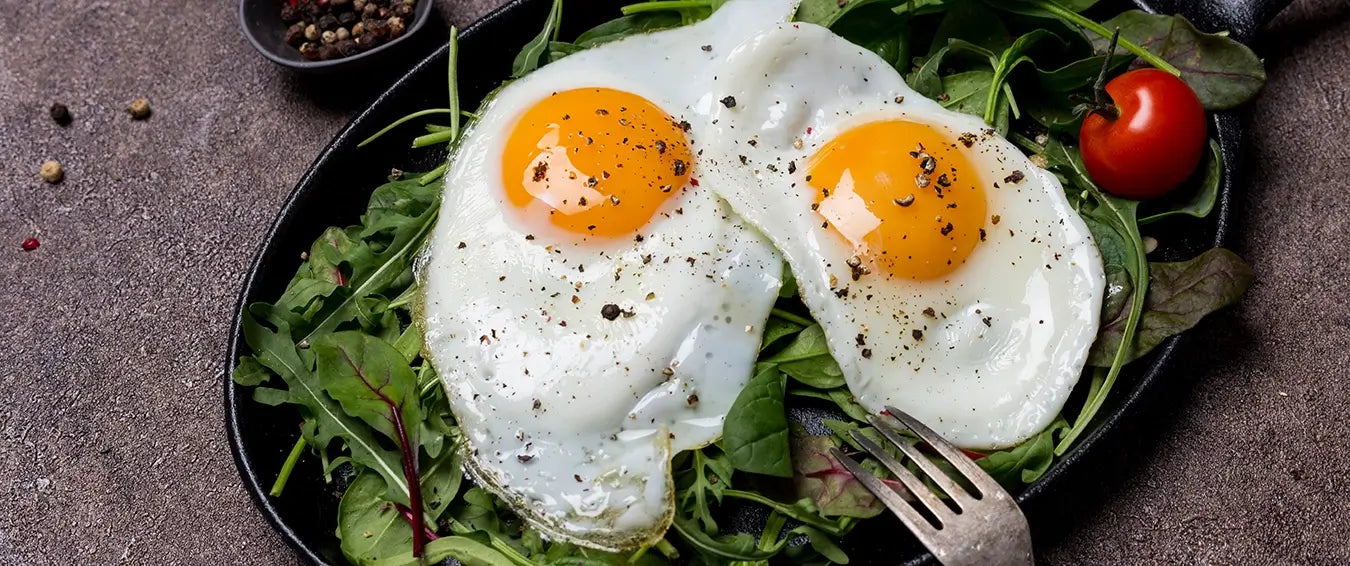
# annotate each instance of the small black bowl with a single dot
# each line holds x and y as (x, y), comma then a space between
(261, 23)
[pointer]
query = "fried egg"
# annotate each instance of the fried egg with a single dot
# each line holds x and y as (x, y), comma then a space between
(951, 276)
(591, 309)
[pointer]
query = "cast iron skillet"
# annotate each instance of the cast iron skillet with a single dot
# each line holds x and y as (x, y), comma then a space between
(335, 189)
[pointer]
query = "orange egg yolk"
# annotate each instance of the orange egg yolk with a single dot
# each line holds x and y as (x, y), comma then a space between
(903, 194)
(595, 161)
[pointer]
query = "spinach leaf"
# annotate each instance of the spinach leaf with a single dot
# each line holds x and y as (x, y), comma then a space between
(1079, 74)
(530, 54)
(373, 382)
(1179, 295)
(821, 478)
(1011, 57)
(776, 329)
(369, 527)
(826, 12)
(927, 80)
(1201, 200)
(807, 359)
(755, 433)
(1223, 72)
(625, 26)
(1026, 462)
(973, 22)
(880, 31)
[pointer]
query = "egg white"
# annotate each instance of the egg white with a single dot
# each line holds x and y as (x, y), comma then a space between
(569, 416)
(1011, 327)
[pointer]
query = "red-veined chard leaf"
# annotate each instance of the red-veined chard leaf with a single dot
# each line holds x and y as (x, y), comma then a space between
(817, 475)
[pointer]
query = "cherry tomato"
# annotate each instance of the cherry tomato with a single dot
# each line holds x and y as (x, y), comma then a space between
(1154, 144)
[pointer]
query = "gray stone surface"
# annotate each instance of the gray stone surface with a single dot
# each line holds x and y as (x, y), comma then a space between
(112, 449)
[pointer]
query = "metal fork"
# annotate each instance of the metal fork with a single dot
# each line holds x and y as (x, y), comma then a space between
(985, 527)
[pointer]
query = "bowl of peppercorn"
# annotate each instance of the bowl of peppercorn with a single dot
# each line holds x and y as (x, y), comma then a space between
(327, 35)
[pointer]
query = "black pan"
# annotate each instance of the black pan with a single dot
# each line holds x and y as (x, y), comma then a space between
(335, 189)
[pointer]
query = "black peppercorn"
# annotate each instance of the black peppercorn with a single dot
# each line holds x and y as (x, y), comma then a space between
(61, 114)
(367, 41)
(289, 14)
(328, 51)
(346, 19)
(347, 47)
(328, 22)
(295, 35)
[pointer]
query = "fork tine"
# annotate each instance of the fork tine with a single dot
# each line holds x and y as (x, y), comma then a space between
(911, 481)
(943, 481)
(916, 523)
(968, 468)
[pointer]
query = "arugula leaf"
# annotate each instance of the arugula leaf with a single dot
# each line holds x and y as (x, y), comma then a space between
(701, 482)
(1026, 462)
(399, 219)
(1223, 72)
(373, 382)
(755, 433)
(250, 373)
(369, 527)
(1080, 74)
(821, 478)
(1179, 295)
(528, 58)
(1200, 201)
(737, 547)
(464, 550)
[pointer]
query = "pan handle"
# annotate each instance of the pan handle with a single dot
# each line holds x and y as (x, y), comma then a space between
(1244, 18)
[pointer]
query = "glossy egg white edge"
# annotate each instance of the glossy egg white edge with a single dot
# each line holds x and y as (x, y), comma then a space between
(581, 448)
(1040, 286)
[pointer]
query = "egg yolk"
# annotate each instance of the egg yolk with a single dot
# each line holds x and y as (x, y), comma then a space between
(903, 194)
(595, 161)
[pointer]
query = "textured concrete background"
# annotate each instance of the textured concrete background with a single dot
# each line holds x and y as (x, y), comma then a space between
(112, 449)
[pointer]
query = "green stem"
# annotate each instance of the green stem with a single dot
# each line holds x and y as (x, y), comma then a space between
(435, 174)
(1094, 404)
(401, 121)
(1077, 19)
(452, 53)
(660, 5)
(787, 510)
(436, 138)
(286, 468)
(666, 549)
(790, 317)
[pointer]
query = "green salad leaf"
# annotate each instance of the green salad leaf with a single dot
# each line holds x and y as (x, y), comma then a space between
(1200, 200)
(531, 55)
(368, 525)
(1026, 462)
(1223, 72)
(755, 432)
(1179, 295)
